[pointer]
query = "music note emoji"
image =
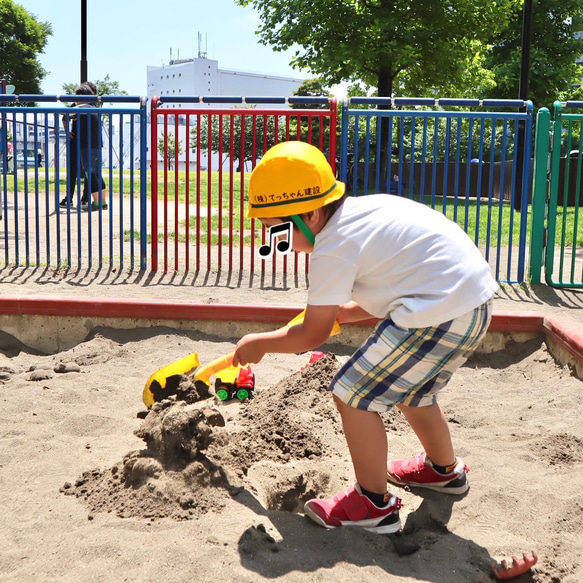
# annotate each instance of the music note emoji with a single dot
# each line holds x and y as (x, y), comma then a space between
(283, 246)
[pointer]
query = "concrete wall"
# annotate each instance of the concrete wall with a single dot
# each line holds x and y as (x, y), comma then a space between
(52, 326)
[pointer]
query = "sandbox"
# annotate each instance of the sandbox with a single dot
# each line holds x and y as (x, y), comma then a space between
(202, 490)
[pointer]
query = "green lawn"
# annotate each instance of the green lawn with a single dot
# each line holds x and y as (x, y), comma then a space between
(482, 221)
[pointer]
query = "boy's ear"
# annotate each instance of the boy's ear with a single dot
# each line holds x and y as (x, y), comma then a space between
(312, 217)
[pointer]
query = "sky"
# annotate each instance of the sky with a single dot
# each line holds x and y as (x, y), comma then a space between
(125, 36)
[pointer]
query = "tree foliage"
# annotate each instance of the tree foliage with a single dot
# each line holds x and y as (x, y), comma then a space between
(311, 88)
(554, 48)
(401, 47)
(242, 137)
(22, 39)
(104, 87)
(309, 128)
(169, 149)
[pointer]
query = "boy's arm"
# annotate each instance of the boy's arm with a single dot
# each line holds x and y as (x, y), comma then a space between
(311, 333)
(352, 312)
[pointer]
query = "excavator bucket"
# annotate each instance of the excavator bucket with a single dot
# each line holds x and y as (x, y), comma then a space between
(156, 384)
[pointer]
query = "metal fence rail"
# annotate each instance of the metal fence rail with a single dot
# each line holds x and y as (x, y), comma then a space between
(558, 217)
(35, 229)
(201, 163)
(468, 162)
(469, 159)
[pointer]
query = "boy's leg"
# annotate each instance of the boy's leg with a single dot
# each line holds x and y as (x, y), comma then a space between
(367, 504)
(438, 468)
(431, 427)
(367, 442)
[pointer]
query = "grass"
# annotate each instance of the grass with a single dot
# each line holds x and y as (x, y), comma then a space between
(214, 231)
(492, 222)
(47, 182)
(220, 187)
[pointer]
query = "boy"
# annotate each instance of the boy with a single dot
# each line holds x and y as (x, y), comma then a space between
(387, 257)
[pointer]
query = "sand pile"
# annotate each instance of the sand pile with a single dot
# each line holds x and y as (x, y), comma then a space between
(197, 452)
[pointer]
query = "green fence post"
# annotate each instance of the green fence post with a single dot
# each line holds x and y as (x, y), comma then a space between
(539, 193)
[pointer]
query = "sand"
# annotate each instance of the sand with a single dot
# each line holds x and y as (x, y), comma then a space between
(96, 488)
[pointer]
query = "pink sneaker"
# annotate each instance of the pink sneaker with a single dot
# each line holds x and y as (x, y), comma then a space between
(351, 508)
(418, 472)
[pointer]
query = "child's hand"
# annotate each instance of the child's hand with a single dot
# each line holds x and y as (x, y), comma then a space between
(248, 350)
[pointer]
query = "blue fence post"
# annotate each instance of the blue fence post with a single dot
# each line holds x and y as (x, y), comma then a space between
(441, 164)
(526, 190)
(34, 196)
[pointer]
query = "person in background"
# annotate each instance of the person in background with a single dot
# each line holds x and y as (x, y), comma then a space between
(89, 129)
(73, 162)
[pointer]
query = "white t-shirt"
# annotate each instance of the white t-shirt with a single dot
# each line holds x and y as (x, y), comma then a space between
(398, 258)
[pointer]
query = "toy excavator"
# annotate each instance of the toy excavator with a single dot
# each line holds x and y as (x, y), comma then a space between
(234, 381)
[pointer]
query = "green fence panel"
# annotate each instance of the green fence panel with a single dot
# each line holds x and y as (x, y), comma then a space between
(564, 249)
(540, 190)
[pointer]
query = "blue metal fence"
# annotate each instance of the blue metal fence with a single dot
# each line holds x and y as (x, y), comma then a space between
(463, 157)
(36, 230)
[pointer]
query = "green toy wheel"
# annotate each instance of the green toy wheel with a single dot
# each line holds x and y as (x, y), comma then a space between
(222, 394)
(242, 394)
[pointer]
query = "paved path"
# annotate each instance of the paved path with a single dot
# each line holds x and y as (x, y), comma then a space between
(239, 288)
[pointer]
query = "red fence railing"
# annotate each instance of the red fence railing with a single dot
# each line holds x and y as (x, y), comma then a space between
(201, 162)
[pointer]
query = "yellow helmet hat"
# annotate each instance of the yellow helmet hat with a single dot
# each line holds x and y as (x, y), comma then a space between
(292, 178)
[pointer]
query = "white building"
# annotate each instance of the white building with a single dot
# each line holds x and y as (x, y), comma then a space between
(202, 77)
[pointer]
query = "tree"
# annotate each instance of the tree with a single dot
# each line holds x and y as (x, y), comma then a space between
(243, 137)
(168, 149)
(105, 87)
(22, 38)
(393, 45)
(401, 47)
(312, 130)
(311, 88)
(555, 46)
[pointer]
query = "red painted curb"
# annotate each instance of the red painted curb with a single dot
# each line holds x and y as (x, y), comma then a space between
(567, 334)
(516, 322)
(156, 310)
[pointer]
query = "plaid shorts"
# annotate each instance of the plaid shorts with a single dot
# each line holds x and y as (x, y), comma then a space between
(408, 366)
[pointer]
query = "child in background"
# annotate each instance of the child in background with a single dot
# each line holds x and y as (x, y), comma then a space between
(391, 258)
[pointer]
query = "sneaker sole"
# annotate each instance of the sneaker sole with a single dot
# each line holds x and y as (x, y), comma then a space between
(390, 528)
(455, 487)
